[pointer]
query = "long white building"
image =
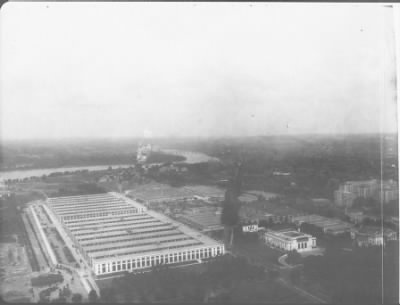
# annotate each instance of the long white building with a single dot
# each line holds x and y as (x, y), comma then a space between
(115, 234)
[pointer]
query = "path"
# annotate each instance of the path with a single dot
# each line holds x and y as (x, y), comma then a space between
(85, 271)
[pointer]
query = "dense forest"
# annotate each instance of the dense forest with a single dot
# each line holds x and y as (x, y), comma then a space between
(315, 165)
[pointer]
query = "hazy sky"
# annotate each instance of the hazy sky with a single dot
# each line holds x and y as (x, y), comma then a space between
(162, 69)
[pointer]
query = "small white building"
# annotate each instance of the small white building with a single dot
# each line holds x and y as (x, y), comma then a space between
(289, 240)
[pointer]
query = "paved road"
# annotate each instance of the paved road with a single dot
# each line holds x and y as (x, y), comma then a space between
(84, 272)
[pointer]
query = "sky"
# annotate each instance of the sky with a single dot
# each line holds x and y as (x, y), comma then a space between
(115, 70)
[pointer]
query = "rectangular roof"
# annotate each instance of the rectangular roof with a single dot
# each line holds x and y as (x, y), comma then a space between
(133, 234)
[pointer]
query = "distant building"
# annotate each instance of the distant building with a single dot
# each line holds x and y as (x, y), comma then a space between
(278, 173)
(106, 178)
(204, 219)
(320, 202)
(256, 213)
(289, 240)
(343, 198)
(143, 153)
(388, 192)
(330, 226)
(250, 228)
(356, 217)
(4, 192)
(372, 236)
(384, 191)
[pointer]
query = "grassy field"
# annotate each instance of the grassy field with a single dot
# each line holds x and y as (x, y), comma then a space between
(256, 251)
(265, 291)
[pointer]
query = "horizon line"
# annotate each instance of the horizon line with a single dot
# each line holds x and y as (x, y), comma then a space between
(198, 137)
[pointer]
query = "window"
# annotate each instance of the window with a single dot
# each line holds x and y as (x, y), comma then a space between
(133, 263)
(103, 268)
(113, 266)
(147, 261)
(218, 251)
(123, 265)
(129, 265)
(175, 258)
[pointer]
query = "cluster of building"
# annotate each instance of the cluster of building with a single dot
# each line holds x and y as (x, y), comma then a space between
(204, 219)
(4, 191)
(157, 193)
(383, 191)
(331, 226)
(372, 236)
(266, 211)
(143, 153)
(117, 234)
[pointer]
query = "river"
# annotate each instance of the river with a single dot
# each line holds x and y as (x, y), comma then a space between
(21, 174)
(191, 158)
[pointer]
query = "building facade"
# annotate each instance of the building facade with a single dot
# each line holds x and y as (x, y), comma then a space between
(372, 236)
(383, 191)
(116, 234)
(290, 240)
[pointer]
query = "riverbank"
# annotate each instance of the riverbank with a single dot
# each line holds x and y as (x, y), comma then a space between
(191, 158)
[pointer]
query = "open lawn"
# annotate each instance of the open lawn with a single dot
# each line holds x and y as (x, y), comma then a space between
(265, 291)
(256, 251)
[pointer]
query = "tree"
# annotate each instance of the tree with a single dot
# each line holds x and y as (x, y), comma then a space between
(293, 257)
(60, 300)
(76, 298)
(93, 296)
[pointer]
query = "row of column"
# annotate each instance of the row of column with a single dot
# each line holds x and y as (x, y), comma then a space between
(97, 214)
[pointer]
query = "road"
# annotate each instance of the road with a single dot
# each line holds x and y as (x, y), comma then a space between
(84, 272)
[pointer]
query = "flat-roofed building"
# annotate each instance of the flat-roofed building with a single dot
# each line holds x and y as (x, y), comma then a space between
(289, 240)
(115, 234)
(332, 226)
(206, 219)
(372, 236)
